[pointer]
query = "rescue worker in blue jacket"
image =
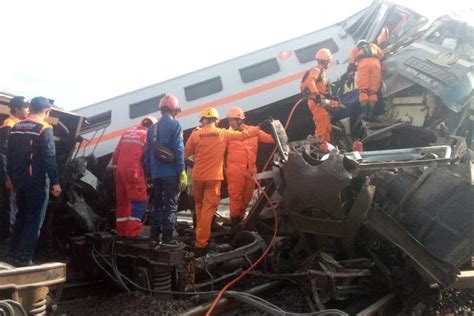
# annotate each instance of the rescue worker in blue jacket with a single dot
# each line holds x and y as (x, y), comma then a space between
(169, 177)
(19, 111)
(31, 165)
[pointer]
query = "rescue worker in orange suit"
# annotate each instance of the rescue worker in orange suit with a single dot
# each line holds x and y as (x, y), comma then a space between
(365, 58)
(314, 85)
(168, 174)
(32, 168)
(241, 167)
(207, 145)
(130, 184)
(19, 111)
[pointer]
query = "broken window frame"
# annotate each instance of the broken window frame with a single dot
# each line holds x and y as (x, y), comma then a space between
(97, 121)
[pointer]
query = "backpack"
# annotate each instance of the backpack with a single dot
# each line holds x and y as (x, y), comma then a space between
(161, 152)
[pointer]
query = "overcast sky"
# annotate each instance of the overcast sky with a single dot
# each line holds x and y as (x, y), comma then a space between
(82, 52)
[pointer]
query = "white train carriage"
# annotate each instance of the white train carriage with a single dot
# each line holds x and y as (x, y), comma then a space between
(252, 81)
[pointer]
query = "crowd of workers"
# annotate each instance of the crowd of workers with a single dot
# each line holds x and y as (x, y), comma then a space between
(152, 157)
(213, 150)
(28, 174)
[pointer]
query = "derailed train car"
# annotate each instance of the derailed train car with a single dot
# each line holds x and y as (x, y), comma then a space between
(339, 225)
(345, 224)
(427, 90)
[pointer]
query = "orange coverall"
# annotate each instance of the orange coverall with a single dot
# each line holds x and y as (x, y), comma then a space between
(240, 169)
(208, 145)
(315, 82)
(130, 184)
(369, 73)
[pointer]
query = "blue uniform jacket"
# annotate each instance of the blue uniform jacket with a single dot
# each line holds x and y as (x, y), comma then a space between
(170, 134)
(32, 154)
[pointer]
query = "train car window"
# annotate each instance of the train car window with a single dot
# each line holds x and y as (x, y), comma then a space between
(203, 89)
(306, 54)
(144, 107)
(97, 121)
(259, 70)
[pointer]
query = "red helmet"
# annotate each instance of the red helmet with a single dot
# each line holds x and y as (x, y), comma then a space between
(169, 101)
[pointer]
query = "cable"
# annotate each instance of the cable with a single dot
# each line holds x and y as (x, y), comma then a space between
(248, 298)
(264, 254)
(116, 270)
(138, 286)
(99, 139)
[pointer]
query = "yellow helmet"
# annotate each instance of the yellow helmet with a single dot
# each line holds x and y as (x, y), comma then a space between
(210, 113)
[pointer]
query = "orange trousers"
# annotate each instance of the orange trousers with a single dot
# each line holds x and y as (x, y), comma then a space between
(321, 120)
(369, 79)
(207, 196)
(240, 185)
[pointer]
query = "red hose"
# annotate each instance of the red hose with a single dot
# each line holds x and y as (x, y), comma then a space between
(264, 254)
(293, 109)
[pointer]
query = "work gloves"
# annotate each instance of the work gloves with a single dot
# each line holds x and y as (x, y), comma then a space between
(328, 103)
(183, 181)
(351, 68)
(265, 124)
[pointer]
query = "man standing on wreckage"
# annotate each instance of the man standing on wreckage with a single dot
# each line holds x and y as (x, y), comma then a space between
(130, 184)
(32, 169)
(164, 163)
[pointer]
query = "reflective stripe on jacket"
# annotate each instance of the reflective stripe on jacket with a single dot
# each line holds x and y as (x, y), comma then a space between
(31, 153)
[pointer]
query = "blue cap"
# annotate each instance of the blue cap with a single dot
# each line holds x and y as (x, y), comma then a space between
(39, 104)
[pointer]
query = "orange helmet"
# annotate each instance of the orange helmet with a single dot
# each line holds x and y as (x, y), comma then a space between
(148, 121)
(323, 54)
(235, 112)
(170, 101)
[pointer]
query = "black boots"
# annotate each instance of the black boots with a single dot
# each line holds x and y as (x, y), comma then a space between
(168, 241)
(155, 233)
(367, 113)
(235, 224)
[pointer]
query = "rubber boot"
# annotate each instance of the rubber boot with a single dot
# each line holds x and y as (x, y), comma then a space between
(364, 111)
(155, 233)
(168, 240)
(235, 224)
(215, 228)
(200, 252)
(371, 110)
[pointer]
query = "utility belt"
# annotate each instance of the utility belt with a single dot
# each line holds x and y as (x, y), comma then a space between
(363, 56)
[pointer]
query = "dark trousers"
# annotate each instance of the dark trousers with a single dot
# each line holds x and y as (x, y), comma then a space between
(32, 202)
(165, 201)
(7, 212)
